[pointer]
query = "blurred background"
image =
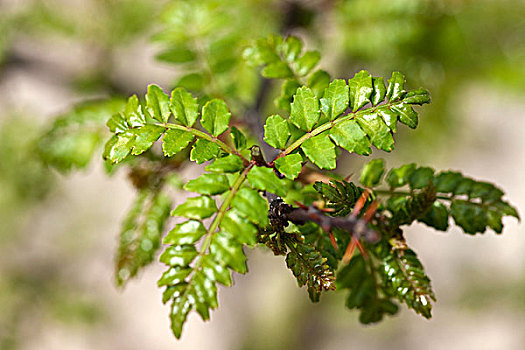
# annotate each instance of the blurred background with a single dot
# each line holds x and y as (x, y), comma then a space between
(58, 233)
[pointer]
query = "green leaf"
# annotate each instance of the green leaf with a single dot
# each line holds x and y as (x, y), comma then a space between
(157, 104)
(239, 140)
(179, 255)
(117, 124)
(372, 172)
(264, 179)
(399, 177)
(335, 99)
(389, 117)
(215, 271)
(340, 196)
(292, 48)
(75, 137)
(118, 147)
(309, 268)
(184, 107)
(421, 178)
(228, 252)
(469, 216)
(276, 131)
(407, 115)
(196, 208)
(260, 53)
(192, 81)
(133, 113)
(277, 70)
(306, 63)
(447, 182)
(395, 88)
(203, 151)
(364, 293)
(376, 129)
(141, 233)
(351, 137)
(215, 117)
(320, 150)
(145, 137)
(305, 109)
(404, 275)
(229, 164)
(180, 308)
(175, 140)
(318, 82)
(379, 92)
(436, 217)
(187, 232)
(288, 90)
(210, 184)
(177, 54)
(417, 97)
(290, 165)
(360, 89)
(174, 275)
(236, 227)
(251, 205)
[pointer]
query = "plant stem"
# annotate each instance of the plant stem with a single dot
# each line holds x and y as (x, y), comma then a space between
(331, 124)
(205, 136)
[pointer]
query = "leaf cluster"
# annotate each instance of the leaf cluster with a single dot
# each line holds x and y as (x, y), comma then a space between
(241, 199)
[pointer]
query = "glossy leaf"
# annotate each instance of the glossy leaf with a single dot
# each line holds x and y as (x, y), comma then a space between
(264, 179)
(229, 164)
(290, 165)
(407, 115)
(350, 136)
(396, 85)
(197, 208)
(184, 106)
(360, 89)
(305, 109)
(379, 92)
(335, 99)
(157, 104)
(203, 151)
(276, 132)
(210, 184)
(145, 137)
(320, 150)
(378, 132)
(251, 205)
(175, 140)
(238, 228)
(187, 232)
(215, 117)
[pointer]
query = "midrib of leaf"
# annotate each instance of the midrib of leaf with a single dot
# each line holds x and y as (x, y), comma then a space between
(207, 137)
(215, 224)
(331, 124)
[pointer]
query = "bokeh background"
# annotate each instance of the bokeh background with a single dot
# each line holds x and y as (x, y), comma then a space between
(58, 234)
